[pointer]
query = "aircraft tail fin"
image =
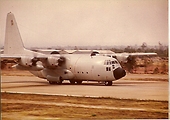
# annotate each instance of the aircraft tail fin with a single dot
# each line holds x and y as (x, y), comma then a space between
(13, 41)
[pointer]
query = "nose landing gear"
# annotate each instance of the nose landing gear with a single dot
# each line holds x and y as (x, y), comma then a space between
(108, 83)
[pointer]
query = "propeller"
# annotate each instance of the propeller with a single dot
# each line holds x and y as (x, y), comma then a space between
(61, 61)
(130, 59)
(34, 61)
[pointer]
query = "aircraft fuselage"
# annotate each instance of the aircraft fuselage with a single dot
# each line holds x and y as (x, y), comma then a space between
(84, 68)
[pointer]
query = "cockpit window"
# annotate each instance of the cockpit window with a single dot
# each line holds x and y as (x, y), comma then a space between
(113, 62)
(113, 66)
(108, 68)
(109, 62)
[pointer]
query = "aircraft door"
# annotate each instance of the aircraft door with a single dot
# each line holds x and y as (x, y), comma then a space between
(97, 70)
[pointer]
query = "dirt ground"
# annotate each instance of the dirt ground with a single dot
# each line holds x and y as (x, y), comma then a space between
(26, 106)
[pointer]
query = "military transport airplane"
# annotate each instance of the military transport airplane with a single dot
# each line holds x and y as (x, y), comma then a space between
(58, 67)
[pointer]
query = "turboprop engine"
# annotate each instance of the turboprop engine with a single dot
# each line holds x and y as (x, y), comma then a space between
(27, 63)
(54, 61)
(125, 58)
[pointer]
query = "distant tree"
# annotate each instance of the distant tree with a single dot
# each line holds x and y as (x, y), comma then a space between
(3, 64)
(147, 63)
(164, 68)
(116, 50)
(160, 46)
(75, 48)
(144, 46)
(139, 50)
(129, 49)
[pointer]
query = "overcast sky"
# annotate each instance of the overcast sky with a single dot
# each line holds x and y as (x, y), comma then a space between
(45, 23)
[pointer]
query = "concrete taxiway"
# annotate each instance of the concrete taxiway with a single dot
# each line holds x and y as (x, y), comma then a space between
(127, 89)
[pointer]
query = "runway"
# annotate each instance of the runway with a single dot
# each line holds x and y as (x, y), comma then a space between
(123, 89)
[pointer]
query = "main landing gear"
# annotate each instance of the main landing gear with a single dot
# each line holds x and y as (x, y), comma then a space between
(73, 82)
(54, 83)
(60, 82)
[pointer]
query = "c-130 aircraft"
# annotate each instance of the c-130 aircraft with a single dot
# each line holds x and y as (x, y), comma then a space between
(58, 67)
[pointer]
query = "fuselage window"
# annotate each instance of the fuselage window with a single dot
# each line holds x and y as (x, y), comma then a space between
(116, 62)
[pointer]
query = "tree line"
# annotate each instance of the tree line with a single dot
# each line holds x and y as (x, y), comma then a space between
(161, 50)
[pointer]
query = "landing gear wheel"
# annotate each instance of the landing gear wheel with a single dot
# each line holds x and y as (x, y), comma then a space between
(79, 82)
(108, 83)
(52, 83)
(59, 82)
(72, 82)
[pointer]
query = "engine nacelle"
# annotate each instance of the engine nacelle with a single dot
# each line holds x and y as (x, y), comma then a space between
(30, 68)
(52, 61)
(25, 61)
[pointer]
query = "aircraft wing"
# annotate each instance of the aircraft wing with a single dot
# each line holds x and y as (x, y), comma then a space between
(143, 54)
(19, 56)
(48, 61)
(125, 57)
(3, 56)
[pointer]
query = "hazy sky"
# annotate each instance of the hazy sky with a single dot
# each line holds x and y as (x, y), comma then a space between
(87, 22)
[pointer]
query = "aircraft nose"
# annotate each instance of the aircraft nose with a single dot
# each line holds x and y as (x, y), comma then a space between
(119, 73)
